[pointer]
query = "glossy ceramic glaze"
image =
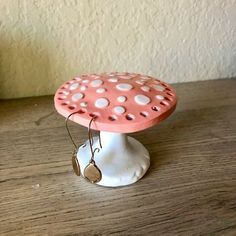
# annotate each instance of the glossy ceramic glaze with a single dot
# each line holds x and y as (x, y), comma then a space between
(122, 102)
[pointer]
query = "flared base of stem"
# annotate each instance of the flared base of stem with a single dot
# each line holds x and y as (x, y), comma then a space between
(122, 160)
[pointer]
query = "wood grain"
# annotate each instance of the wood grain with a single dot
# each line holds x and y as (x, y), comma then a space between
(190, 188)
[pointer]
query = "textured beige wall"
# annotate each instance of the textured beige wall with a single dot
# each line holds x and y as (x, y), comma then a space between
(45, 42)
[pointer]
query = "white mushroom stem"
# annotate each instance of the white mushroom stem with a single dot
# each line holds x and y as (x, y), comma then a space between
(122, 160)
(117, 139)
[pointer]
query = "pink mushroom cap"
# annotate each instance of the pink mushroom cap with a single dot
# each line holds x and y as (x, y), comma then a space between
(121, 102)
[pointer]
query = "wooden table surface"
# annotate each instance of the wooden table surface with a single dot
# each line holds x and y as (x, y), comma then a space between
(190, 188)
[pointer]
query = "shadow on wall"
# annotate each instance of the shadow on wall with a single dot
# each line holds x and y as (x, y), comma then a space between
(27, 68)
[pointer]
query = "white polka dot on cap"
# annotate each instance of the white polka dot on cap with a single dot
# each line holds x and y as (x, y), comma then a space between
(158, 87)
(77, 96)
(124, 87)
(142, 99)
(121, 99)
(145, 88)
(96, 83)
(160, 97)
(83, 104)
(113, 80)
(100, 90)
(119, 110)
(85, 81)
(74, 86)
(101, 102)
(83, 87)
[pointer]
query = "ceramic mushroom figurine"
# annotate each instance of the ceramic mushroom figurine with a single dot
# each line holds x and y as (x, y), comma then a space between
(121, 103)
